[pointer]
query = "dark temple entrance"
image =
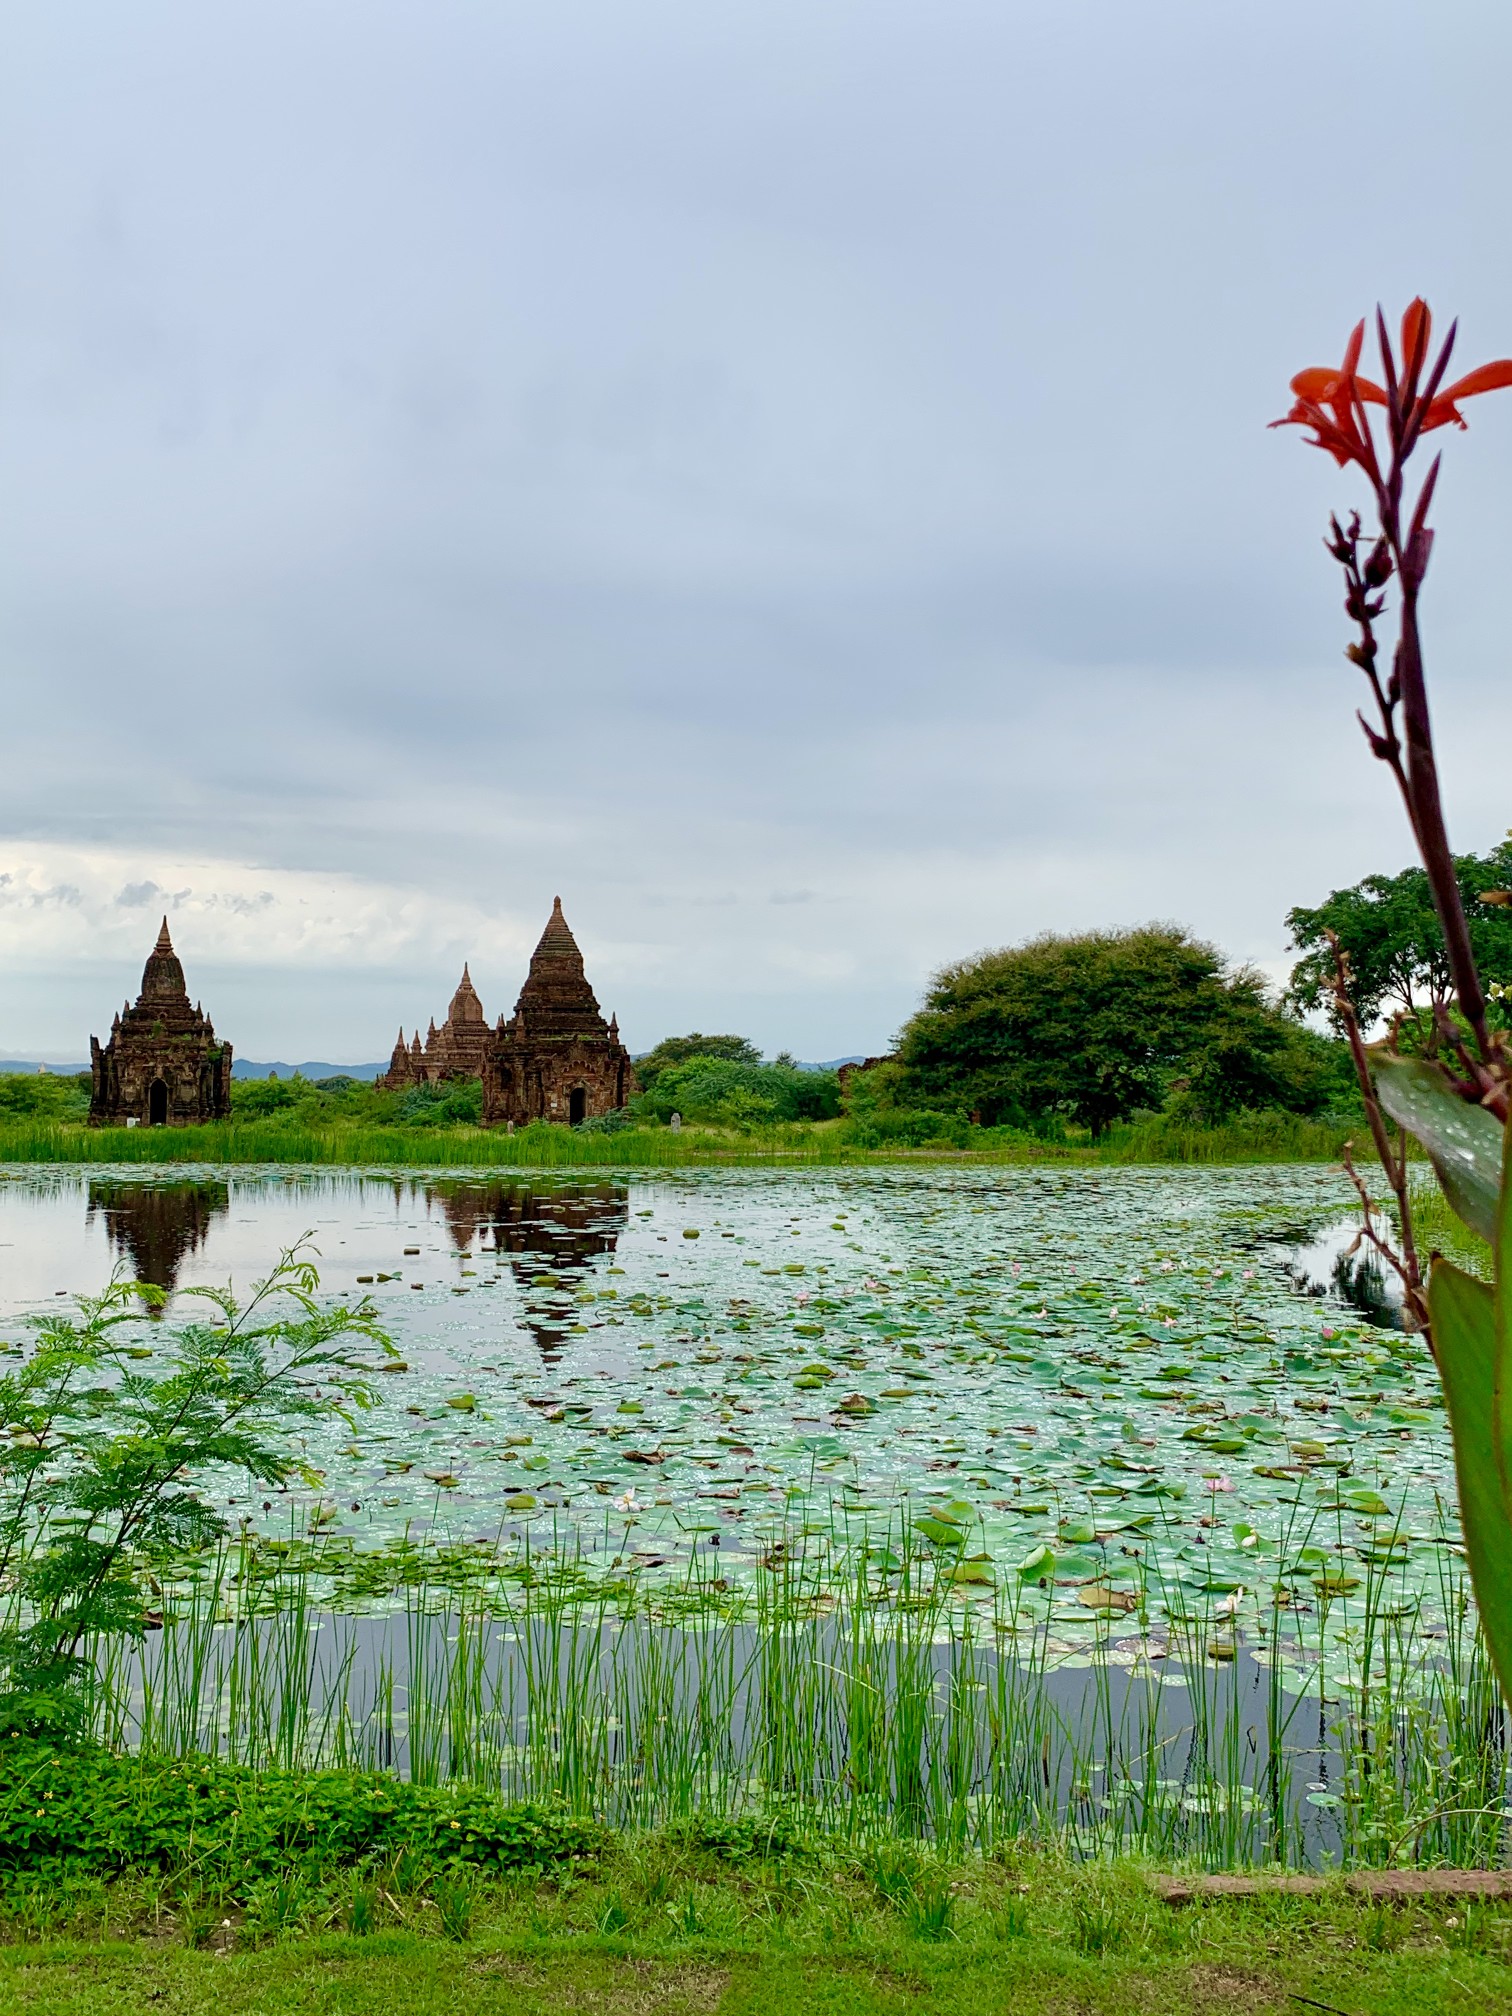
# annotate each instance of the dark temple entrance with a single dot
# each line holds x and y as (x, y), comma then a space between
(577, 1105)
(157, 1104)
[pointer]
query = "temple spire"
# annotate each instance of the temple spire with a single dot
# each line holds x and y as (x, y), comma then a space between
(163, 976)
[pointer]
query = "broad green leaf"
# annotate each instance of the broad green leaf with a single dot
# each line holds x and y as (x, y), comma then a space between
(1463, 1141)
(1502, 1255)
(972, 1571)
(1463, 1314)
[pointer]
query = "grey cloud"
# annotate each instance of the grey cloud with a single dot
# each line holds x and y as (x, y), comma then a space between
(688, 458)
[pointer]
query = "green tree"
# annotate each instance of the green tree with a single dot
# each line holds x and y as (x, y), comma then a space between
(1096, 1027)
(675, 1050)
(1388, 926)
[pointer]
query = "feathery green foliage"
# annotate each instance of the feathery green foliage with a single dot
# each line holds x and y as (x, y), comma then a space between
(99, 1463)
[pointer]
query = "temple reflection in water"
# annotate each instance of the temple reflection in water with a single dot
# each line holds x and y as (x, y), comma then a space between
(154, 1227)
(549, 1236)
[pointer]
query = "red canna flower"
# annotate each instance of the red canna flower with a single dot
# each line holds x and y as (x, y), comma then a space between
(1333, 402)
(1485, 378)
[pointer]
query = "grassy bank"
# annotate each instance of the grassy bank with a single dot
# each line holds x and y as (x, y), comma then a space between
(691, 1923)
(1259, 1138)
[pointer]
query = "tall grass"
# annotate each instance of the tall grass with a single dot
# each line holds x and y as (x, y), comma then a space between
(865, 1705)
(1257, 1138)
(1252, 1137)
(1437, 1229)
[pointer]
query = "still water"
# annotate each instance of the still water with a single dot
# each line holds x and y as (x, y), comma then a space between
(1114, 1366)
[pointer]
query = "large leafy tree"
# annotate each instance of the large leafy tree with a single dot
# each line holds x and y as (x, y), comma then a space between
(1388, 926)
(1095, 1027)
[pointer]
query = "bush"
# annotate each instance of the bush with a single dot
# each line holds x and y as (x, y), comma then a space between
(102, 1468)
(457, 1103)
(260, 1098)
(92, 1812)
(42, 1095)
(342, 1101)
(911, 1127)
(675, 1050)
(723, 1092)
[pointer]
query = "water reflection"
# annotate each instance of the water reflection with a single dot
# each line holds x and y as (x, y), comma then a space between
(548, 1236)
(1335, 1263)
(155, 1227)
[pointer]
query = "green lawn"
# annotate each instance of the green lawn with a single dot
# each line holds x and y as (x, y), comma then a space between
(656, 1933)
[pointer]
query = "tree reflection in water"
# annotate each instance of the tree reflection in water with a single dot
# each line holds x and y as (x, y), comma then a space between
(154, 1227)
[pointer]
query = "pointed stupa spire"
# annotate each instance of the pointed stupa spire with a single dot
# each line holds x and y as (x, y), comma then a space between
(163, 976)
(465, 1007)
(556, 999)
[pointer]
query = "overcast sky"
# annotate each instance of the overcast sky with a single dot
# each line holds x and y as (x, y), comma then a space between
(788, 476)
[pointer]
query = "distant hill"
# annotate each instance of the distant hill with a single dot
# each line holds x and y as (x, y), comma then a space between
(243, 1067)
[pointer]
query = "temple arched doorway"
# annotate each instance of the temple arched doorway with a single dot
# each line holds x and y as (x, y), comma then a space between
(157, 1104)
(577, 1105)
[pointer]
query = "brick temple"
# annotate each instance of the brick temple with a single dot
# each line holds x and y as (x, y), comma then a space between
(455, 1050)
(162, 1066)
(556, 1058)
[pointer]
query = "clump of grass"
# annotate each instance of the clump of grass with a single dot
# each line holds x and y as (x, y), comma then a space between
(279, 1903)
(1012, 1918)
(1098, 1924)
(894, 1869)
(455, 1895)
(613, 1918)
(362, 1904)
(930, 1913)
(1438, 1229)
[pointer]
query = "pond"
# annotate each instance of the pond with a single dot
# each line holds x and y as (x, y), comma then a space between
(1079, 1380)
(994, 1499)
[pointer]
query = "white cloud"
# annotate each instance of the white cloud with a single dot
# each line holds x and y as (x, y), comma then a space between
(62, 905)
